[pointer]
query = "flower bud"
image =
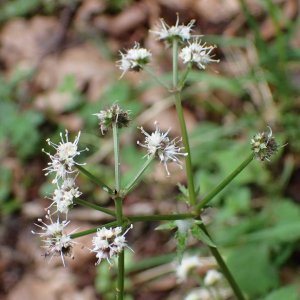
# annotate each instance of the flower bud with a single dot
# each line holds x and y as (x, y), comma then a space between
(113, 114)
(264, 145)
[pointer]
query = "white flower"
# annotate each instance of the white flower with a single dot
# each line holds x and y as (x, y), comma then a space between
(178, 31)
(198, 54)
(133, 59)
(212, 277)
(62, 160)
(63, 197)
(56, 240)
(170, 153)
(154, 141)
(109, 243)
(212, 293)
(158, 143)
(187, 264)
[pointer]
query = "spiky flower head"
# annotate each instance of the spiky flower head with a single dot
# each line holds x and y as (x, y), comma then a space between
(133, 59)
(264, 145)
(158, 144)
(63, 160)
(169, 33)
(109, 243)
(58, 242)
(198, 54)
(113, 114)
(63, 196)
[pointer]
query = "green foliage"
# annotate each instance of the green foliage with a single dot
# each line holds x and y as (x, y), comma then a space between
(286, 293)
(252, 268)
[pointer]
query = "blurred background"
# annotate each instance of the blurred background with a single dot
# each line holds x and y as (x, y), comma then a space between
(58, 67)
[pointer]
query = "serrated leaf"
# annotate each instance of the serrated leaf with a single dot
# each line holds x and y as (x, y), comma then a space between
(182, 240)
(201, 235)
(169, 226)
(183, 190)
(182, 198)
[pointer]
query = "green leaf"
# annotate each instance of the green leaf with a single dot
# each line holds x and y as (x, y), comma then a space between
(201, 235)
(170, 225)
(284, 293)
(253, 261)
(183, 190)
(182, 240)
(182, 198)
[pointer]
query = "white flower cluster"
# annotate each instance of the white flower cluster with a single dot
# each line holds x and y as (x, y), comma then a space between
(63, 159)
(178, 31)
(56, 240)
(158, 143)
(62, 162)
(197, 53)
(133, 59)
(109, 243)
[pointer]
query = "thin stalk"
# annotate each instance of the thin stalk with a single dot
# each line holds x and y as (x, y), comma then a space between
(96, 180)
(188, 160)
(156, 78)
(161, 217)
(222, 185)
(119, 210)
(184, 76)
(93, 230)
(121, 257)
(140, 172)
(96, 207)
(189, 172)
(117, 156)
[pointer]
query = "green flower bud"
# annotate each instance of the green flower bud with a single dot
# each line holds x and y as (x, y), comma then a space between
(264, 145)
(113, 114)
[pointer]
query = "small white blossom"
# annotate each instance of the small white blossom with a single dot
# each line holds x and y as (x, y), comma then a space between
(187, 264)
(158, 143)
(198, 54)
(154, 141)
(178, 31)
(109, 243)
(56, 240)
(133, 59)
(63, 159)
(170, 153)
(63, 197)
(212, 277)
(204, 294)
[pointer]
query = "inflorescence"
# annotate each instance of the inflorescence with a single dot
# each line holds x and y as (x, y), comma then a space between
(158, 144)
(264, 145)
(113, 114)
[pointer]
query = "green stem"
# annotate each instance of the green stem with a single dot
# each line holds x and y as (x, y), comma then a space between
(184, 76)
(215, 252)
(189, 172)
(96, 180)
(117, 156)
(188, 160)
(175, 63)
(140, 172)
(93, 206)
(156, 78)
(161, 217)
(119, 210)
(222, 185)
(93, 230)
(121, 258)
